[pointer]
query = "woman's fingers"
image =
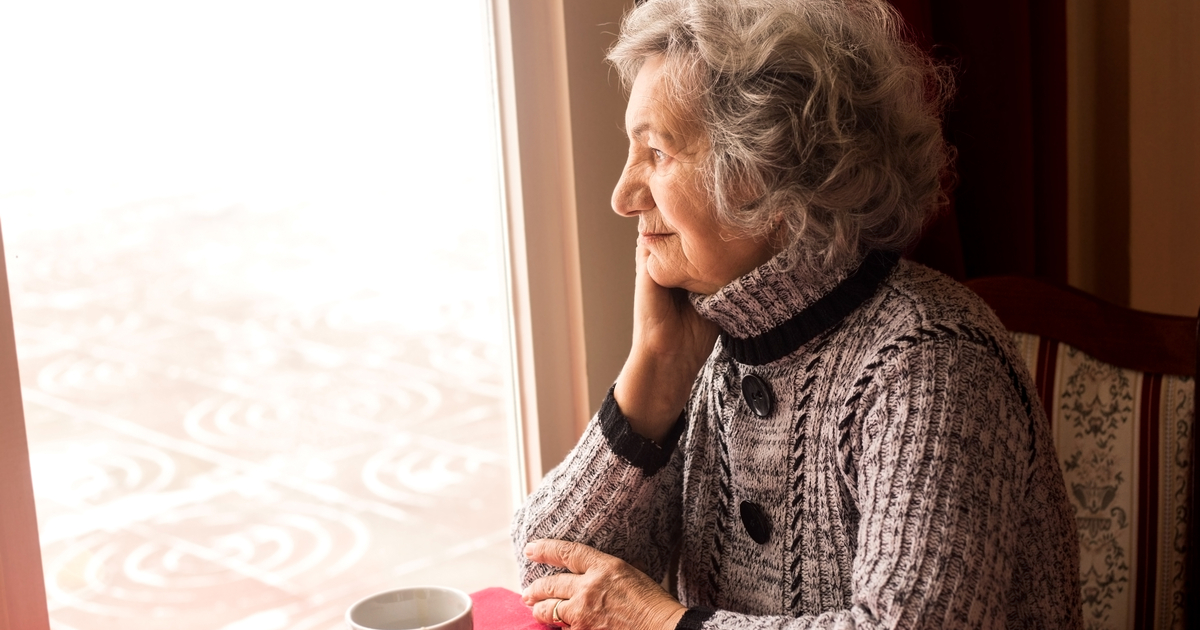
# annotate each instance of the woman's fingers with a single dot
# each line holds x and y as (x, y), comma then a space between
(602, 592)
(664, 321)
(574, 557)
(544, 610)
(558, 586)
(557, 590)
(652, 306)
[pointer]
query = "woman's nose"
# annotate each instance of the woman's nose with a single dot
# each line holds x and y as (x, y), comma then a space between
(631, 196)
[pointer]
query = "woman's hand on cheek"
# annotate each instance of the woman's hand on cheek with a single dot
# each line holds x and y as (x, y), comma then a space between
(664, 322)
(670, 344)
(601, 592)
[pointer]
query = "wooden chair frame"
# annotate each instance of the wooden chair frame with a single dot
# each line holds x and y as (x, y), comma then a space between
(1147, 342)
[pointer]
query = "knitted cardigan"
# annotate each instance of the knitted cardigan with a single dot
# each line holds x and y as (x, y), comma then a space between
(902, 476)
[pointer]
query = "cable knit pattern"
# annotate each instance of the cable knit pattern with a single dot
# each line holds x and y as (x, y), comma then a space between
(906, 472)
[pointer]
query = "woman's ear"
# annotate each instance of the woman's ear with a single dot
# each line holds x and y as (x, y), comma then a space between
(780, 235)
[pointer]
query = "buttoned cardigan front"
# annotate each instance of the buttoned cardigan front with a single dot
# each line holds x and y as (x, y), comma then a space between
(860, 451)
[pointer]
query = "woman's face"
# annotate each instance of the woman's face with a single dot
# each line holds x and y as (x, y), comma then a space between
(660, 186)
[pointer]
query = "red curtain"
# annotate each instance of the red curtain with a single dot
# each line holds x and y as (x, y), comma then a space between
(1009, 124)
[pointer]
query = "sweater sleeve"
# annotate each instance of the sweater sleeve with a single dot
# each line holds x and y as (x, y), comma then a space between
(938, 461)
(616, 491)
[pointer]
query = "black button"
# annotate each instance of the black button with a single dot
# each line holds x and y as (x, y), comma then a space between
(757, 395)
(756, 522)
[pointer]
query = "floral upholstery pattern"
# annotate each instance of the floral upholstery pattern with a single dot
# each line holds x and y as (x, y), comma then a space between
(1123, 440)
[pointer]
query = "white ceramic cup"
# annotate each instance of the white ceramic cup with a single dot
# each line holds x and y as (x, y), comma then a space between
(413, 608)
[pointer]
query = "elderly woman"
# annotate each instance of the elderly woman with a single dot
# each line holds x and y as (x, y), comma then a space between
(862, 447)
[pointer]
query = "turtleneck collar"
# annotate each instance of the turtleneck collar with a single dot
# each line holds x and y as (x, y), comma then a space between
(769, 313)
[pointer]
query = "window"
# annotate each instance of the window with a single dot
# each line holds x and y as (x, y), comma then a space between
(255, 259)
(548, 177)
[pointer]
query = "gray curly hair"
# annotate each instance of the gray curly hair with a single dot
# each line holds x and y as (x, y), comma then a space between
(818, 111)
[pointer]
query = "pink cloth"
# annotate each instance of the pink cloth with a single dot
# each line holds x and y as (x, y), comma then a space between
(498, 608)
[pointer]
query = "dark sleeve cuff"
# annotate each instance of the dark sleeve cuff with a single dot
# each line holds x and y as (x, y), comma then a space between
(631, 447)
(694, 618)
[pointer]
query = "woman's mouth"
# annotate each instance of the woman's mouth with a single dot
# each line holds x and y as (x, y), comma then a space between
(651, 237)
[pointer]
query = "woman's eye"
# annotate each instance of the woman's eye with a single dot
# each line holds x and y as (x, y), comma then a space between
(659, 155)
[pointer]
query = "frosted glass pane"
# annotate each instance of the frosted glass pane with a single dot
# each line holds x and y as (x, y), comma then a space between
(254, 253)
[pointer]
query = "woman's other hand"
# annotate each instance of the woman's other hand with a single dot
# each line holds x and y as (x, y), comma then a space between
(601, 592)
(670, 344)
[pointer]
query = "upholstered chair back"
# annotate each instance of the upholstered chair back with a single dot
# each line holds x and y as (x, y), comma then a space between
(1123, 439)
(1119, 389)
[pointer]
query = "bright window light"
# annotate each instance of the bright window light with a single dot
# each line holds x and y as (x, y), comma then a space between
(257, 281)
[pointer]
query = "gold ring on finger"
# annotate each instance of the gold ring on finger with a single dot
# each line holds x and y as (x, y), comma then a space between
(554, 614)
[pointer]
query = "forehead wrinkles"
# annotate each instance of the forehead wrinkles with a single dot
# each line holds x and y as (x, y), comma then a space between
(665, 108)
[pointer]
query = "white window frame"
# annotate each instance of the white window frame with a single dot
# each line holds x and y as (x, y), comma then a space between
(541, 235)
(571, 306)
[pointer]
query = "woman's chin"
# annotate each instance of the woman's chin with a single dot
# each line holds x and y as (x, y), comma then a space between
(673, 278)
(665, 276)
